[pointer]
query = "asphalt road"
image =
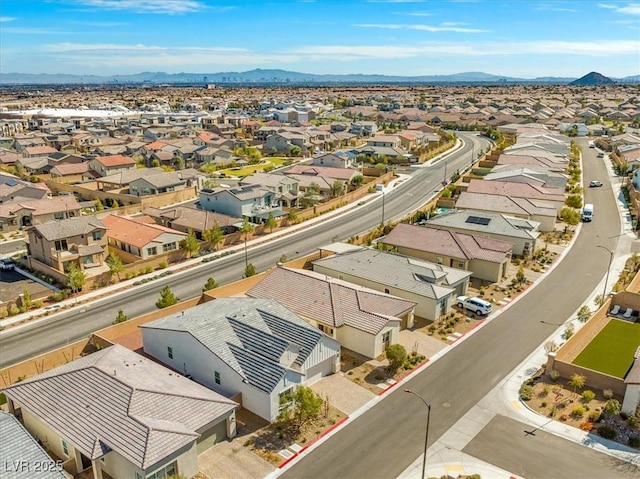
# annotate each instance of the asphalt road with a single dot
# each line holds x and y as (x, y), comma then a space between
(553, 456)
(382, 442)
(69, 326)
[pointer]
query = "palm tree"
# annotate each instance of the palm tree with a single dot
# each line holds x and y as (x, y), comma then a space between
(246, 229)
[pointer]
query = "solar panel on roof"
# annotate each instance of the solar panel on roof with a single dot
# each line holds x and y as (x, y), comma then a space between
(478, 220)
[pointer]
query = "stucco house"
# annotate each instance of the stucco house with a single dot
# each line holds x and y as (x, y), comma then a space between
(287, 189)
(361, 319)
(108, 165)
(552, 195)
(121, 414)
(252, 201)
(81, 240)
(486, 258)
(332, 160)
(433, 287)
(253, 347)
(183, 218)
(30, 212)
(141, 238)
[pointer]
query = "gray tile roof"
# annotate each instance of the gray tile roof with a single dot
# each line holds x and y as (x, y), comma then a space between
(120, 400)
(331, 301)
(67, 228)
(127, 176)
(426, 279)
(198, 220)
(498, 224)
(258, 338)
(505, 204)
(18, 447)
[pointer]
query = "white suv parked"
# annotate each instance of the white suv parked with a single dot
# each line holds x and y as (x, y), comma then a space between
(477, 305)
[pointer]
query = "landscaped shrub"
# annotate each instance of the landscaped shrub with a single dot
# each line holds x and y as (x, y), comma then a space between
(163, 265)
(634, 441)
(607, 393)
(554, 375)
(588, 395)
(578, 411)
(594, 416)
(526, 392)
(586, 426)
(632, 421)
(608, 432)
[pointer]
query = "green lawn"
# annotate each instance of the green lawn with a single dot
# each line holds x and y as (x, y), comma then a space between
(611, 352)
(251, 169)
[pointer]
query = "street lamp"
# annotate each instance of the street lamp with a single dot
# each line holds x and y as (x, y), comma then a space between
(606, 280)
(426, 437)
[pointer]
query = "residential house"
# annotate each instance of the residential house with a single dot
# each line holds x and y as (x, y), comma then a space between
(159, 183)
(531, 209)
(433, 287)
(122, 179)
(391, 141)
(20, 453)
(183, 218)
(81, 240)
(108, 165)
(253, 347)
(332, 160)
(361, 319)
(549, 162)
(31, 212)
(363, 128)
(531, 174)
(13, 189)
(522, 234)
(283, 142)
(70, 171)
(115, 413)
(141, 237)
(286, 188)
(486, 258)
(254, 202)
(552, 195)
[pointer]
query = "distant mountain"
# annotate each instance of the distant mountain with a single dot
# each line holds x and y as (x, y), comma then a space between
(274, 76)
(592, 79)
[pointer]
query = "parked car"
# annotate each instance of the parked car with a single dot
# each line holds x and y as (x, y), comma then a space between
(595, 184)
(601, 155)
(7, 263)
(477, 305)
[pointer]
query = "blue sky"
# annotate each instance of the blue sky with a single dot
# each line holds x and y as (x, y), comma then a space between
(525, 38)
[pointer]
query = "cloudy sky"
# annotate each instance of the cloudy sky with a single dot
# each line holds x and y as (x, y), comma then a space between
(523, 38)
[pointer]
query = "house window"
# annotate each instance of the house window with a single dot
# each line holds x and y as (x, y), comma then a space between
(61, 245)
(58, 216)
(96, 235)
(152, 251)
(325, 329)
(386, 290)
(460, 264)
(170, 352)
(65, 447)
(169, 247)
(165, 472)
(216, 377)
(139, 476)
(439, 259)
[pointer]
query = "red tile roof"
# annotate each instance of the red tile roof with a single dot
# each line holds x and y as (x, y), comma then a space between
(116, 160)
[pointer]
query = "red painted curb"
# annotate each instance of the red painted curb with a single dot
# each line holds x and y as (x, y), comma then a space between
(414, 370)
(287, 461)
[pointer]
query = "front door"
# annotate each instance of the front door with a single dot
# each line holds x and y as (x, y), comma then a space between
(386, 340)
(86, 462)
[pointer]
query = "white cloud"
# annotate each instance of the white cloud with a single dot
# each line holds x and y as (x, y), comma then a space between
(628, 9)
(444, 27)
(170, 7)
(7, 19)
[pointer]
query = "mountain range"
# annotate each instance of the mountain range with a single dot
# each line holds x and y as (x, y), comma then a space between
(275, 76)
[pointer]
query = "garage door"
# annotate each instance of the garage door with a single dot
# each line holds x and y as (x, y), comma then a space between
(214, 435)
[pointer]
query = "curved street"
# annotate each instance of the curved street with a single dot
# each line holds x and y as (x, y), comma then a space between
(66, 327)
(383, 441)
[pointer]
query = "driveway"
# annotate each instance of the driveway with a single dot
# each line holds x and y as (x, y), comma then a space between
(230, 460)
(424, 344)
(343, 394)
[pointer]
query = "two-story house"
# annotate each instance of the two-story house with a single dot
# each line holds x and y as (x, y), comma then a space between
(108, 165)
(251, 201)
(287, 189)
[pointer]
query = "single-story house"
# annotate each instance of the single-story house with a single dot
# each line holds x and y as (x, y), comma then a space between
(552, 195)
(486, 258)
(30, 212)
(108, 165)
(521, 233)
(183, 218)
(117, 412)
(361, 319)
(433, 287)
(528, 173)
(140, 237)
(253, 347)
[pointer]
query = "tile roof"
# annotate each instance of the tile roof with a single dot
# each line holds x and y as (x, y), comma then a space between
(135, 231)
(520, 190)
(344, 174)
(125, 177)
(57, 229)
(449, 243)
(420, 277)
(498, 224)
(71, 168)
(116, 399)
(258, 338)
(505, 204)
(331, 301)
(18, 445)
(42, 206)
(115, 160)
(198, 220)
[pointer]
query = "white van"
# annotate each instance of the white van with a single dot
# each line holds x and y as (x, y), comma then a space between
(587, 212)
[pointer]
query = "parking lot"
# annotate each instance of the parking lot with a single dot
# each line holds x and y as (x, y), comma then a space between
(13, 284)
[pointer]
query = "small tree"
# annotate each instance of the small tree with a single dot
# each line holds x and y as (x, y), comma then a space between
(295, 150)
(520, 276)
(210, 284)
(191, 244)
(292, 217)
(214, 235)
(249, 270)
(570, 216)
(98, 204)
(299, 406)
(584, 313)
(167, 298)
(577, 381)
(115, 204)
(270, 222)
(574, 201)
(568, 331)
(397, 355)
(246, 230)
(357, 181)
(612, 407)
(115, 264)
(588, 396)
(550, 346)
(337, 189)
(27, 302)
(76, 278)
(121, 317)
